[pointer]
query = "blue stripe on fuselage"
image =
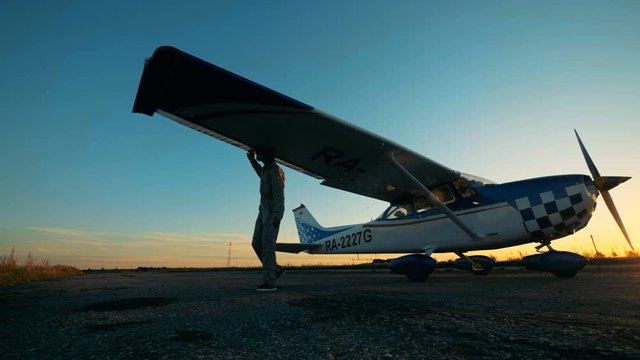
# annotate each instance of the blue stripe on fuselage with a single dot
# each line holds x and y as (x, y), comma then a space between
(532, 188)
(497, 193)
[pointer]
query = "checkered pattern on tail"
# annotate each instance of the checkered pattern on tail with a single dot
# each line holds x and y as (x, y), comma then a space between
(307, 233)
(554, 212)
(309, 230)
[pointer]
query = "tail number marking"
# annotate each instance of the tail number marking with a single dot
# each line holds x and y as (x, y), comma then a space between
(348, 240)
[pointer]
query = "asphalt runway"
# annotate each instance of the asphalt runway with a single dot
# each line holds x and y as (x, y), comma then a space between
(325, 315)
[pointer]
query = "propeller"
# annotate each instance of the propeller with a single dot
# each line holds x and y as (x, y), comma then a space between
(604, 184)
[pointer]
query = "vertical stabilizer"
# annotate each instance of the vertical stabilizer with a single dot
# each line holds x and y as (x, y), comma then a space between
(301, 213)
(308, 228)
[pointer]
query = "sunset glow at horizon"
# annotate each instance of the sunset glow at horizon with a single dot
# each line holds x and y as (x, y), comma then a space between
(494, 89)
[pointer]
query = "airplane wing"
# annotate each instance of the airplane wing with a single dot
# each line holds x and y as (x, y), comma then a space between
(238, 111)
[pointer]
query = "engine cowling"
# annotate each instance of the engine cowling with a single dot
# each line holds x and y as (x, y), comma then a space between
(416, 267)
(560, 263)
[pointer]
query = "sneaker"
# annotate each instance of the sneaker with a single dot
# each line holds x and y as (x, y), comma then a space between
(280, 272)
(266, 287)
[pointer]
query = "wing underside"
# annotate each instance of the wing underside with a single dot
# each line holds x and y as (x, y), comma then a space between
(245, 114)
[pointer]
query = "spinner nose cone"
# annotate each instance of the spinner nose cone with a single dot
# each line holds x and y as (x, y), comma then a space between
(606, 183)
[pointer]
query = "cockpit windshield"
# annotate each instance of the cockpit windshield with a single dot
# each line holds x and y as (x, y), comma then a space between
(475, 182)
(466, 185)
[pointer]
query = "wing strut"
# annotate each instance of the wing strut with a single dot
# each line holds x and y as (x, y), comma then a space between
(436, 202)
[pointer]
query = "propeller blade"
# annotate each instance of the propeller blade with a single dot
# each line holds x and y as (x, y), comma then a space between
(587, 158)
(612, 208)
(603, 184)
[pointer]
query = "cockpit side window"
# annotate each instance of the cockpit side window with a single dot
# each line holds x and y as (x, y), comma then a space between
(421, 203)
(463, 187)
(443, 193)
(398, 211)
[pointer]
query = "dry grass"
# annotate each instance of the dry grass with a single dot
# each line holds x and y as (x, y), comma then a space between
(33, 269)
(593, 254)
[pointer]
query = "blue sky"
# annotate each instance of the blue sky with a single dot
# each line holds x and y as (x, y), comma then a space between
(489, 88)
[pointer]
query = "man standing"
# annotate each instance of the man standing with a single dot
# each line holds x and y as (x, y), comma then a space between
(270, 214)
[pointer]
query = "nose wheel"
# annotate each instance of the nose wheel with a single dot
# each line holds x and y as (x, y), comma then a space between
(562, 264)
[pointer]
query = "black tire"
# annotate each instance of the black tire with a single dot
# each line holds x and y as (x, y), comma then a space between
(417, 275)
(482, 272)
(565, 274)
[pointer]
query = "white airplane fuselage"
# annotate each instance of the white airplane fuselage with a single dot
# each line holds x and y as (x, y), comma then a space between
(516, 213)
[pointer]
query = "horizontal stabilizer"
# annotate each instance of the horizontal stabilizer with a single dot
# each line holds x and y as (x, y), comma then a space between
(295, 248)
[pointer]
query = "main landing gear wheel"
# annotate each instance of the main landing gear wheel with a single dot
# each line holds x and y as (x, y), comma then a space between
(417, 275)
(478, 264)
(565, 274)
(480, 271)
(416, 267)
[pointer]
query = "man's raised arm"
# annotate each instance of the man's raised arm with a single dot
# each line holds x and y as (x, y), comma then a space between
(256, 166)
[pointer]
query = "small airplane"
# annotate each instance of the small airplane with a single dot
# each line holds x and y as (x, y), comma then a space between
(432, 208)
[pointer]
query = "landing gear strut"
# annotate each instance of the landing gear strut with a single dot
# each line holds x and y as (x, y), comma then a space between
(544, 243)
